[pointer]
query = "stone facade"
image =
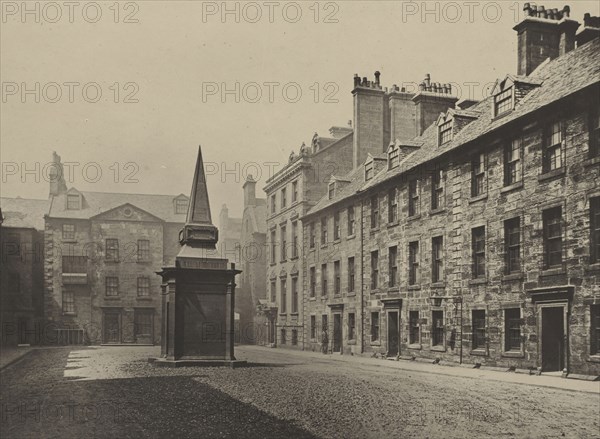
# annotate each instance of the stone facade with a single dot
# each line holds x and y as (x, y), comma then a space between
(478, 244)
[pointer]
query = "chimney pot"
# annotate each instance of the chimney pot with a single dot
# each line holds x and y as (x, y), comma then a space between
(356, 80)
(349, 123)
(377, 75)
(567, 11)
(403, 89)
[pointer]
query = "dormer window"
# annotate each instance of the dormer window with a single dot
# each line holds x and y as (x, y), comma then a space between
(181, 206)
(368, 170)
(445, 132)
(73, 202)
(393, 157)
(503, 101)
(331, 190)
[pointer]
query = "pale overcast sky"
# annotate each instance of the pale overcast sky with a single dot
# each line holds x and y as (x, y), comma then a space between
(174, 57)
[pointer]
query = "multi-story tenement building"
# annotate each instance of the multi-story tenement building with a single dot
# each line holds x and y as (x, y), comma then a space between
(21, 271)
(252, 294)
(480, 238)
(102, 251)
(290, 193)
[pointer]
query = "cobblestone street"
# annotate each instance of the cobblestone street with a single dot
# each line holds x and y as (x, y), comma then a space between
(114, 392)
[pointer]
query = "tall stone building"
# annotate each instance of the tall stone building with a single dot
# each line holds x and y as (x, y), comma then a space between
(252, 293)
(21, 271)
(101, 254)
(477, 241)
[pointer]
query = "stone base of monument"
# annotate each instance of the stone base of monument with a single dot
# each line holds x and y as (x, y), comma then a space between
(190, 362)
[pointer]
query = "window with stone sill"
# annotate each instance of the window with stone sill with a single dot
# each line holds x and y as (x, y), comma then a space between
(512, 330)
(112, 250)
(478, 329)
(142, 322)
(437, 258)
(143, 286)
(112, 286)
(552, 224)
(336, 226)
(294, 337)
(374, 212)
(294, 294)
(478, 175)
(283, 198)
(323, 231)
(513, 167)
(294, 191)
(324, 280)
(393, 266)
(392, 206)
(143, 250)
(294, 239)
(283, 296)
(313, 327)
(68, 231)
(313, 281)
(350, 274)
(374, 270)
(413, 331)
(273, 204)
(351, 221)
(414, 207)
(283, 239)
(74, 264)
(68, 301)
(553, 152)
(374, 326)
(437, 189)
(413, 263)
(283, 336)
(273, 247)
(478, 252)
(337, 277)
(312, 235)
(503, 101)
(512, 246)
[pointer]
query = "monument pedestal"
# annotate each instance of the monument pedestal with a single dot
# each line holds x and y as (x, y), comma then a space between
(198, 314)
(198, 293)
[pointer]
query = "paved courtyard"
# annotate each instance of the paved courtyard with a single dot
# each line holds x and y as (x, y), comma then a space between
(112, 392)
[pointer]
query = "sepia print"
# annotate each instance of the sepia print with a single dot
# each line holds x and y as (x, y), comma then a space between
(300, 219)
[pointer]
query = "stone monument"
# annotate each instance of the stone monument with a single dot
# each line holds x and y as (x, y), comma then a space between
(198, 293)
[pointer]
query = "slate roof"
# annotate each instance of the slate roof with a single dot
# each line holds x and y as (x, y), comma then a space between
(24, 212)
(94, 203)
(559, 78)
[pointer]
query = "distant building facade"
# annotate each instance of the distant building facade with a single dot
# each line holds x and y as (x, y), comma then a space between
(22, 271)
(477, 241)
(251, 296)
(102, 251)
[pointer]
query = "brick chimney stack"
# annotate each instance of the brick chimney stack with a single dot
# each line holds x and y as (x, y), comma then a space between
(591, 29)
(57, 176)
(432, 99)
(249, 188)
(371, 119)
(542, 34)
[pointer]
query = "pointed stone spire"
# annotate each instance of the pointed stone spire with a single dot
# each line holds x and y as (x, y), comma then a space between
(199, 231)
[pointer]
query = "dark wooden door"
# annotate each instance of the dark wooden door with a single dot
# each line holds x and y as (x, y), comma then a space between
(393, 338)
(337, 333)
(112, 327)
(553, 339)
